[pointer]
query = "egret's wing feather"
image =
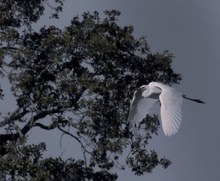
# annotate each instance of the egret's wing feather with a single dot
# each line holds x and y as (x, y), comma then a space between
(139, 108)
(171, 110)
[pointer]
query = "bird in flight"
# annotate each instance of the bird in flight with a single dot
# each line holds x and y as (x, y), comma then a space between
(171, 101)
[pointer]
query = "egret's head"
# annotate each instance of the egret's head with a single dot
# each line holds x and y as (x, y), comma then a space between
(142, 88)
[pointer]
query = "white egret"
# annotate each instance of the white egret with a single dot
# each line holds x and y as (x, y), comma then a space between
(171, 101)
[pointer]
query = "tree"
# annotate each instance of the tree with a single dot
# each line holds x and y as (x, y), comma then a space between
(78, 80)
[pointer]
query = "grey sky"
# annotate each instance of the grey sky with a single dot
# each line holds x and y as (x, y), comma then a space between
(189, 29)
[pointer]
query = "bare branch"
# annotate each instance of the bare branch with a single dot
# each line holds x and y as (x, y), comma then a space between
(49, 127)
(53, 125)
(83, 147)
(8, 48)
(75, 137)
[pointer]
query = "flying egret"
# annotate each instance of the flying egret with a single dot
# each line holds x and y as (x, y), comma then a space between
(171, 101)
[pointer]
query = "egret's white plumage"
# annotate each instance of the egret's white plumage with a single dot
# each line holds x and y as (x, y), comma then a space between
(171, 101)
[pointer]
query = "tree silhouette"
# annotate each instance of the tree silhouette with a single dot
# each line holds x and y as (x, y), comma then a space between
(78, 80)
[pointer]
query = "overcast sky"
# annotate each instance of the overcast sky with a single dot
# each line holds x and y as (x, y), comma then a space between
(190, 29)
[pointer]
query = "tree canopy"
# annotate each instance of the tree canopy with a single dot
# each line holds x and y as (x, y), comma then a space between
(79, 80)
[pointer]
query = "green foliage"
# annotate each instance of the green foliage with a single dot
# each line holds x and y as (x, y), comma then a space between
(26, 163)
(79, 79)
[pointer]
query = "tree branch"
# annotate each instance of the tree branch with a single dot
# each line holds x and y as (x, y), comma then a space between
(53, 125)
(4, 138)
(14, 116)
(76, 138)
(32, 122)
(49, 127)
(41, 115)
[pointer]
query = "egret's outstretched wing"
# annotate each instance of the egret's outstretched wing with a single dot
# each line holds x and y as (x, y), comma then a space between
(139, 108)
(171, 110)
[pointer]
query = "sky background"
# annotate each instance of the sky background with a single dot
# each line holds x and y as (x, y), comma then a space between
(189, 29)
